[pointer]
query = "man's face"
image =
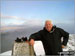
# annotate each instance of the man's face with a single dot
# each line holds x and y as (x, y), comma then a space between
(48, 25)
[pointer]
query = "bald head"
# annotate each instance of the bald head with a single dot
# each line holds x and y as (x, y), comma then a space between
(48, 21)
(48, 25)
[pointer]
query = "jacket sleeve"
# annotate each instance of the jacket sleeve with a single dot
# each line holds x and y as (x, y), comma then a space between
(65, 36)
(35, 36)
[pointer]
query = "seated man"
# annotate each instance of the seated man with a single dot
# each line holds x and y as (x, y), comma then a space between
(51, 38)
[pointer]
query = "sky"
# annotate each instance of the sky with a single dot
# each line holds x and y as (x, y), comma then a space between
(19, 13)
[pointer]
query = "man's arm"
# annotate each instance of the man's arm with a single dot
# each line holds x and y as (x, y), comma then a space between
(65, 36)
(35, 36)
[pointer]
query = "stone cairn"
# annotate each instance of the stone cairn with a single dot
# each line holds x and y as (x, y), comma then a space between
(22, 47)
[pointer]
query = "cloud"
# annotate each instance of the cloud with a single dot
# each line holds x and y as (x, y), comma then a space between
(10, 17)
(33, 22)
(14, 20)
(18, 23)
(9, 28)
(11, 20)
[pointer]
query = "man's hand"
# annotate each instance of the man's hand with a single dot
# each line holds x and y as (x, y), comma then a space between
(63, 46)
(32, 42)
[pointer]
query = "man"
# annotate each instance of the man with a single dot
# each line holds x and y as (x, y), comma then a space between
(51, 38)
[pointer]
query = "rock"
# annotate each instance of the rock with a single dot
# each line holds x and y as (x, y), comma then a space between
(18, 40)
(24, 38)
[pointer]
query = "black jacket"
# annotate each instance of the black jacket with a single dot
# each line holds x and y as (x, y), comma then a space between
(51, 40)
